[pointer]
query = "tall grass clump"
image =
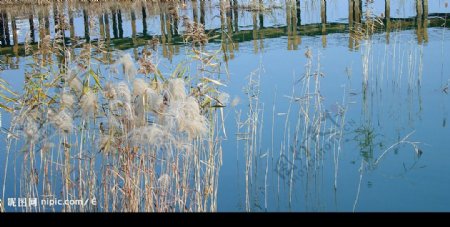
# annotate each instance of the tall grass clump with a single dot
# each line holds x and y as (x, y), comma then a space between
(125, 137)
(251, 136)
(308, 136)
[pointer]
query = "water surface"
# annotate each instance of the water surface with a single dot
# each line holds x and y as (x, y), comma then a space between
(384, 140)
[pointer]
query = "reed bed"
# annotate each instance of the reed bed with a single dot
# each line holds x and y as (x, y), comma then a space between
(312, 136)
(308, 136)
(127, 138)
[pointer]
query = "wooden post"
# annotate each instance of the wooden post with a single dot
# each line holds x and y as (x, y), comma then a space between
(71, 24)
(419, 31)
(350, 23)
(323, 17)
(15, 39)
(195, 11)
(357, 8)
(425, 20)
(144, 20)
(86, 25)
(107, 29)
(387, 19)
(32, 31)
(101, 25)
(2, 30)
(202, 12)
(261, 16)
(236, 16)
(6, 28)
(299, 13)
(114, 20)
(120, 24)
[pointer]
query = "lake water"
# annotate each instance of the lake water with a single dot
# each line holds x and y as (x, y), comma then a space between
(324, 113)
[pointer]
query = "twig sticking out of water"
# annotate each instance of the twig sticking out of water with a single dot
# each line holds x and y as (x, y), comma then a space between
(404, 140)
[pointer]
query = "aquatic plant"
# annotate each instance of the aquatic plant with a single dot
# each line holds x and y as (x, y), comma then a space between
(6, 95)
(143, 142)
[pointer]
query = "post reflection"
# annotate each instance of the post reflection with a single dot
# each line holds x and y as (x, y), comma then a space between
(119, 24)
(422, 21)
(292, 21)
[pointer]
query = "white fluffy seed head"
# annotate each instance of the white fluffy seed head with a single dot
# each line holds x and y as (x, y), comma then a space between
(107, 142)
(176, 88)
(31, 129)
(113, 122)
(191, 107)
(139, 110)
(185, 117)
(121, 111)
(76, 84)
(67, 100)
(139, 87)
(153, 100)
(109, 91)
(115, 105)
(194, 123)
(149, 135)
(123, 92)
(129, 69)
(128, 113)
(62, 120)
(88, 103)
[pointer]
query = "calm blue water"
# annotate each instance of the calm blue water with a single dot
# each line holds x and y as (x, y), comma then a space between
(405, 93)
(401, 181)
